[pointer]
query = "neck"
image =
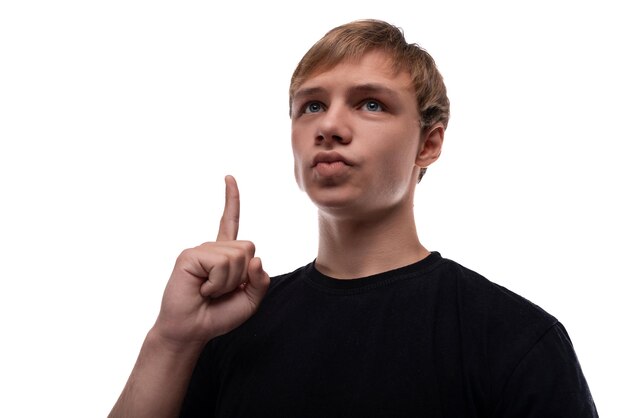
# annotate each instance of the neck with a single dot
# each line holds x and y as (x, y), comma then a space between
(350, 248)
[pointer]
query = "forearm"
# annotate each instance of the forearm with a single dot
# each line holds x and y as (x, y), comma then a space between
(157, 385)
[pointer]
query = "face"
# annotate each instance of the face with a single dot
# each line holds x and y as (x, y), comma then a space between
(355, 137)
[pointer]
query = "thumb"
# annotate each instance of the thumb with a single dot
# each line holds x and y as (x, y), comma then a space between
(258, 281)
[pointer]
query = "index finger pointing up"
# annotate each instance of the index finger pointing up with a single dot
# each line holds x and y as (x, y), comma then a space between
(229, 224)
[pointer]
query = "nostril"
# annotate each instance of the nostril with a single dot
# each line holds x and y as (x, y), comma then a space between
(321, 137)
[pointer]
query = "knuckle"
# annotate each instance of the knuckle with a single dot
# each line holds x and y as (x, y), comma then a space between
(222, 260)
(240, 260)
(185, 256)
(240, 257)
(248, 247)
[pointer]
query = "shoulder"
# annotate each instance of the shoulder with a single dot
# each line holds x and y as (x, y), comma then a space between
(500, 327)
(286, 279)
(475, 293)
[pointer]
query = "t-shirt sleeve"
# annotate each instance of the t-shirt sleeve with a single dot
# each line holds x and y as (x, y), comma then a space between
(548, 382)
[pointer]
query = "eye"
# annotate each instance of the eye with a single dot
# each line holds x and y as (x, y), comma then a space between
(372, 106)
(313, 107)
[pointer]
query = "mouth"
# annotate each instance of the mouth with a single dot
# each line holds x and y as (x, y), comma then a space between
(331, 165)
(330, 158)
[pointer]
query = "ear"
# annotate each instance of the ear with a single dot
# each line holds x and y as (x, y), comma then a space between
(430, 146)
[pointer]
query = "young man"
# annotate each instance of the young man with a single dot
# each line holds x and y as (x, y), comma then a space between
(377, 325)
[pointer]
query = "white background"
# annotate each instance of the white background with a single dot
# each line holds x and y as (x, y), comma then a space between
(119, 120)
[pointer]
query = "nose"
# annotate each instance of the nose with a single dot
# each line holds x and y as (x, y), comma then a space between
(334, 127)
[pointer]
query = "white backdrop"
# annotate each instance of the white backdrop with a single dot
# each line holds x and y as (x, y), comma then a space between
(119, 120)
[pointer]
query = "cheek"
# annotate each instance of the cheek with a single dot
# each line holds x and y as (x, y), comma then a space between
(297, 160)
(298, 172)
(297, 141)
(396, 162)
(395, 147)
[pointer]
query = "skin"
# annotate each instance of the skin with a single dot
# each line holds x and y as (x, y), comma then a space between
(213, 289)
(365, 218)
(366, 113)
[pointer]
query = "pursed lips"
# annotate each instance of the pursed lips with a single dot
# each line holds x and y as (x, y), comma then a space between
(331, 165)
(329, 158)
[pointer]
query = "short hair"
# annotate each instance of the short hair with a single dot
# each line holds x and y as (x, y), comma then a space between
(353, 40)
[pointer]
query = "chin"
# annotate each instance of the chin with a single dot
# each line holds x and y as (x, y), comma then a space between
(331, 204)
(332, 197)
(338, 205)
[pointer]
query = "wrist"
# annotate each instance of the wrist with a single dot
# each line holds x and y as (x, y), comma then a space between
(157, 341)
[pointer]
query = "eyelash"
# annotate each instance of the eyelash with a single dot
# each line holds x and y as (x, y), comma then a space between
(305, 108)
(367, 101)
(363, 103)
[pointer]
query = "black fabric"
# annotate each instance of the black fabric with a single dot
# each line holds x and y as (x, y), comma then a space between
(432, 339)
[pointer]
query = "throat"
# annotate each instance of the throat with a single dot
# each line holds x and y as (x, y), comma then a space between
(350, 249)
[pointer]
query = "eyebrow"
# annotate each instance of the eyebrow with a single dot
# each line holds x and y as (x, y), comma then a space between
(370, 88)
(373, 88)
(310, 91)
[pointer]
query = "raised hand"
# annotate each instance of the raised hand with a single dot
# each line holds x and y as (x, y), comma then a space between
(214, 287)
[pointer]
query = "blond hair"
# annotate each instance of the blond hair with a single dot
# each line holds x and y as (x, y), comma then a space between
(352, 40)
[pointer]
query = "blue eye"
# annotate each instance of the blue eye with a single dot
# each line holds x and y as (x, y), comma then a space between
(372, 106)
(313, 107)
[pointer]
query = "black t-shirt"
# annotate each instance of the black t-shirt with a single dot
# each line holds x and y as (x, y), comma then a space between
(432, 339)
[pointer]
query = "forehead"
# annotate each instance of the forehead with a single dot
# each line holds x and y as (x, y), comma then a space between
(373, 67)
